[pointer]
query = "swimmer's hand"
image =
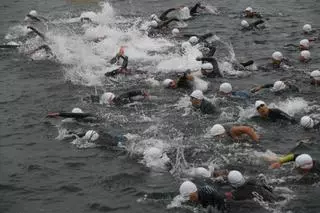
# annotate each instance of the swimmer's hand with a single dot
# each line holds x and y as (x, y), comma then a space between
(256, 89)
(275, 165)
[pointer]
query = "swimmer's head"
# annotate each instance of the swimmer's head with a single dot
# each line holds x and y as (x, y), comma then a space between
(315, 74)
(196, 98)
(107, 98)
(186, 45)
(91, 136)
(248, 12)
(154, 17)
(33, 13)
(278, 86)
(277, 57)
(304, 44)
(262, 108)
(169, 83)
(193, 40)
(77, 110)
(304, 162)
(217, 130)
(188, 190)
(206, 67)
(175, 32)
(305, 56)
(307, 28)
(153, 24)
(225, 88)
(307, 122)
(236, 179)
(244, 24)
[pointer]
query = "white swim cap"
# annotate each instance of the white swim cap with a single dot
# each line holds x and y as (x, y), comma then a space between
(259, 103)
(305, 43)
(175, 31)
(12, 43)
(186, 45)
(248, 9)
(201, 172)
(197, 94)
(278, 85)
(167, 82)
(153, 23)
(154, 17)
(305, 54)
(217, 129)
(107, 97)
(186, 188)
(277, 56)
(244, 24)
(76, 110)
(315, 74)
(306, 122)
(91, 136)
(207, 66)
(33, 13)
(307, 28)
(225, 88)
(193, 39)
(235, 178)
(304, 161)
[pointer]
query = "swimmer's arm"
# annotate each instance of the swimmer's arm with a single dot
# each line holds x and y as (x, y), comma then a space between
(114, 60)
(285, 116)
(258, 88)
(125, 62)
(167, 22)
(33, 18)
(256, 23)
(163, 16)
(36, 31)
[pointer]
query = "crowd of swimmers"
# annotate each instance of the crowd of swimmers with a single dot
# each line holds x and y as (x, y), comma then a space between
(208, 195)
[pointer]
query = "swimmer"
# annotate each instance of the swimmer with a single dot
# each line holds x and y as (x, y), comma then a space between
(249, 13)
(255, 25)
(33, 17)
(248, 190)
(76, 114)
(209, 67)
(225, 89)
(125, 98)
(120, 59)
(272, 114)
(235, 132)
(185, 81)
(199, 102)
(206, 195)
(278, 62)
(278, 87)
(304, 163)
(304, 44)
(41, 35)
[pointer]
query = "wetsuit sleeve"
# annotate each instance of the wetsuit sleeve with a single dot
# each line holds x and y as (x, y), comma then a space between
(256, 23)
(131, 94)
(285, 116)
(205, 36)
(33, 18)
(114, 60)
(36, 31)
(125, 62)
(266, 86)
(193, 9)
(248, 63)
(167, 22)
(74, 115)
(288, 158)
(163, 16)
(45, 47)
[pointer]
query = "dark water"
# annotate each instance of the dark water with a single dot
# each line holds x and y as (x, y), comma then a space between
(42, 174)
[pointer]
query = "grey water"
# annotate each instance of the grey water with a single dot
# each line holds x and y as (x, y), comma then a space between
(41, 174)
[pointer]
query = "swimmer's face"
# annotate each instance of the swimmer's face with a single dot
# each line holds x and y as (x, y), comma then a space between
(248, 13)
(172, 85)
(193, 196)
(263, 110)
(276, 62)
(195, 102)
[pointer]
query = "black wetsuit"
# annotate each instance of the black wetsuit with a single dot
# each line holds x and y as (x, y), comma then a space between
(122, 69)
(127, 97)
(43, 47)
(163, 16)
(209, 196)
(184, 82)
(251, 189)
(33, 18)
(36, 31)
(276, 114)
(207, 107)
(82, 117)
(216, 71)
(165, 23)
